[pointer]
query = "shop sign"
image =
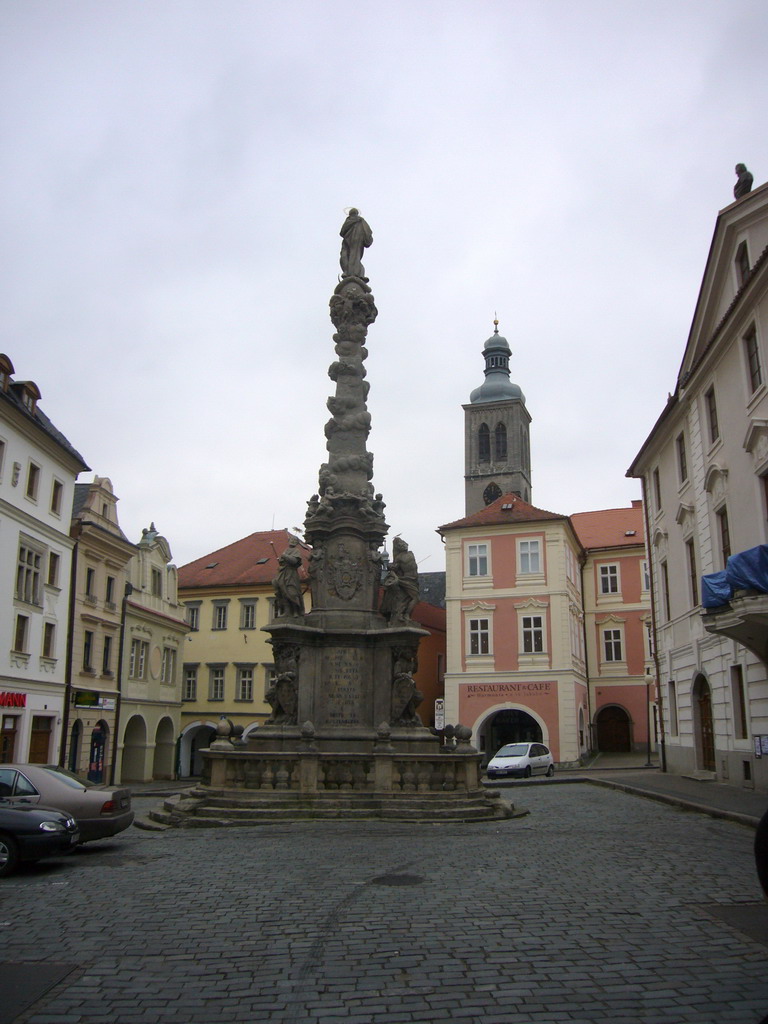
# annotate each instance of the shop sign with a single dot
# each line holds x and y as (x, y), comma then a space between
(87, 698)
(513, 689)
(13, 700)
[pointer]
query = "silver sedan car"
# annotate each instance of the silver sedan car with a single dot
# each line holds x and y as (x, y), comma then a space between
(100, 812)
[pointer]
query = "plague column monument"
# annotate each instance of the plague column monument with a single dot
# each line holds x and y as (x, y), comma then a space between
(345, 736)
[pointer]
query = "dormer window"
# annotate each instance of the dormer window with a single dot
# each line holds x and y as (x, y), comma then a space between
(6, 370)
(741, 262)
(30, 395)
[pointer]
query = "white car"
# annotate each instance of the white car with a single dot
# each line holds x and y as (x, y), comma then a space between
(520, 761)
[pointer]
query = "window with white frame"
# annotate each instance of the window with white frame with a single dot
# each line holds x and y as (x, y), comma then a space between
(682, 458)
(216, 682)
(532, 629)
(193, 616)
(477, 559)
(741, 262)
(106, 657)
(88, 651)
(693, 579)
(21, 635)
(244, 682)
(713, 424)
(168, 669)
(672, 702)
(529, 557)
(33, 481)
(220, 614)
(248, 613)
(645, 576)
(612, 644)
(479, 636)
(609, 579)
(137, 666)
(49, 640)
(57, 493)
(54, 561)
(752, 352)
(28, 575)
(189, 689)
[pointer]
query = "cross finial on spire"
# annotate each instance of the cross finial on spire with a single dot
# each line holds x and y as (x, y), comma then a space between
(495, 322)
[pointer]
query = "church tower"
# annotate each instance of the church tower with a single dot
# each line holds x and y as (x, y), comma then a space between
(497, 452)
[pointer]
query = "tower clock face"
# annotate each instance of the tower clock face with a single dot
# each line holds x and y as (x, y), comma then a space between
(491, 493)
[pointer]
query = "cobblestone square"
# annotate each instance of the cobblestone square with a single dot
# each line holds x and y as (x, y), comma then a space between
(593, 908)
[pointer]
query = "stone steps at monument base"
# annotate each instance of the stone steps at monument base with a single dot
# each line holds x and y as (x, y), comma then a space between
(222, 810)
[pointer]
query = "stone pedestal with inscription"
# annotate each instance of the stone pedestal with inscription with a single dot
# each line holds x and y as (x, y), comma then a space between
(345, 736)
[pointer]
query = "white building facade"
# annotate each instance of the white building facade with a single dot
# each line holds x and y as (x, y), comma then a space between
(704, 469)
(38, 469)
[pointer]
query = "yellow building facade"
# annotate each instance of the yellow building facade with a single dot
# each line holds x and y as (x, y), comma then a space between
(227, 664)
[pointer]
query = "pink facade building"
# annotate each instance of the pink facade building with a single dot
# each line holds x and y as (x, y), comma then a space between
(547, 614)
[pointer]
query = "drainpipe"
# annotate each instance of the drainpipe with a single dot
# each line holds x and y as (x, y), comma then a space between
(654, 644)
(68, 661)
(118, 698)
(590, 727)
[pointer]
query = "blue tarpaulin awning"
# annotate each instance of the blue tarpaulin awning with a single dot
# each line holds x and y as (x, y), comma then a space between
(747, 570)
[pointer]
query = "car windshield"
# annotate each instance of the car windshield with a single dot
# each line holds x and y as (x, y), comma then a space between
(513, 750)
(67, 777)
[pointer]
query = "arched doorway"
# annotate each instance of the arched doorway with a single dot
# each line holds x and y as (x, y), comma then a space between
(97, 753)
(75, 741)
(134, 750)
(703, 725)
(162, 764)
(614, 732)
(195, 738)
(512, 725)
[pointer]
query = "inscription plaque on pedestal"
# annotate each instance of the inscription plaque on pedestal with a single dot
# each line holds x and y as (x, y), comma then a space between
(343, 674)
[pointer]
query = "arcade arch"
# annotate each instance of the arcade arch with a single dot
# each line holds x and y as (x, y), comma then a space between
(165, 748)
(509, 723)
(134, 750)
(196, 736)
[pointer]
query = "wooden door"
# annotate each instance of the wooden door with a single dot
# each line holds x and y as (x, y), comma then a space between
(707, 731)
(613, 731)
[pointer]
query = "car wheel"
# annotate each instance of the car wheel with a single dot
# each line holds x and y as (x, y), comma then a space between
(528, 772)
(9, 855)
(550, 771)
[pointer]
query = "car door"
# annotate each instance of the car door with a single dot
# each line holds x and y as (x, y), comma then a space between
(538, 758)
(17, 788)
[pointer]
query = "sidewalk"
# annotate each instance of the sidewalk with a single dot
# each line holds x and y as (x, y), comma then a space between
(631, 774)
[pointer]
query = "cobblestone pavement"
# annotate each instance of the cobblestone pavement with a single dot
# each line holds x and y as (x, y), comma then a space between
(596, 907)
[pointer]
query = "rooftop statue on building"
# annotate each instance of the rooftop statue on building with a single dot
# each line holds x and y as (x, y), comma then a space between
(744, 181)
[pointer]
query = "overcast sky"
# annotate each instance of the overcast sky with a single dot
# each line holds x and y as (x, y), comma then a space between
(173, 177)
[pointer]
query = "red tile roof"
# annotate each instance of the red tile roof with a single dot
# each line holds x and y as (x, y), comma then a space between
(610, 528)
(249, 561)
(429, 616)
(509, 508)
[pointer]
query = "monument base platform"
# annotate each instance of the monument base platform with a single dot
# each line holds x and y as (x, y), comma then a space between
(249, 788)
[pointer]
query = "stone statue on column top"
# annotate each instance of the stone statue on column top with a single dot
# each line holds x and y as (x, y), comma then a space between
(356, 236)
